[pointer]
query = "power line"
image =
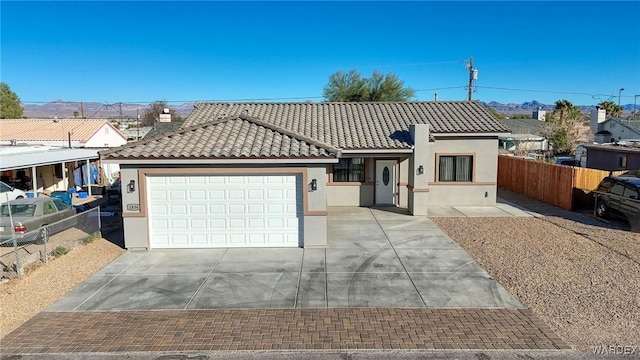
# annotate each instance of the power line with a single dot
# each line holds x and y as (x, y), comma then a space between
(546, 91)
(108, 105)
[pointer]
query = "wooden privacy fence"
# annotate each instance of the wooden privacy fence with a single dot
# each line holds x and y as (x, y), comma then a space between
(549, 183)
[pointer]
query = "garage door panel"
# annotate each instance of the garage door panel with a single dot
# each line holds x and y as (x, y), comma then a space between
(218, 209)
(218, 224)
(235, 179)
(177, 195)
(158, 195)
(157, 180)
(197, 194)
(176, 180)
(199, 239)
(225, 211)
(218, 194)
(198, 224)
(255, 209)
(198, 209)
(236, 224)
(275, 209)
(180, 239)
(255, 224)
(178, 209)
(236, 209)
(236, 194)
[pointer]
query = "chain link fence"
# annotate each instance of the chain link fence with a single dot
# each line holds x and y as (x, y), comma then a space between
(23, 252)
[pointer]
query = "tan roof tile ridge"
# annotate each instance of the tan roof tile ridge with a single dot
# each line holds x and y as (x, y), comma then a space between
(292, 134)
(151, 139)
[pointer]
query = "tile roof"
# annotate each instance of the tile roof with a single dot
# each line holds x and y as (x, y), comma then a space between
(51, 130)
(524, 126)
(347, 126)
(233, 138)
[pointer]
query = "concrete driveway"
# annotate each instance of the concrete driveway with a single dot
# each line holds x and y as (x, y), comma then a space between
(375, 258)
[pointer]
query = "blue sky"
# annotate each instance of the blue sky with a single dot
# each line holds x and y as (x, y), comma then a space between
(285, 51)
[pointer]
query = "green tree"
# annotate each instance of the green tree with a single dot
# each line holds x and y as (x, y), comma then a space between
(562, 127)
(9, 103)
(352, 87)
(153, 111)
(612, 109)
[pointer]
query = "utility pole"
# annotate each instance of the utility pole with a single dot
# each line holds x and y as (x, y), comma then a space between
(120, 112)
(473, 75)
(137, 125)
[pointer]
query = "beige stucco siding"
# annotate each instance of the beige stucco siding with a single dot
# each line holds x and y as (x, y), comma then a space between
(482, 190)
(352, 194)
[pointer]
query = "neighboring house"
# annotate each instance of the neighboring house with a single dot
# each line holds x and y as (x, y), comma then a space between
(526, 136)
(74, 133)
(264, 174)
(612, 130)
(614, 157)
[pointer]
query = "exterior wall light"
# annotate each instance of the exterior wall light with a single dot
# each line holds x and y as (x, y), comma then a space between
(420, 170)
(313, 185)
(131, 186)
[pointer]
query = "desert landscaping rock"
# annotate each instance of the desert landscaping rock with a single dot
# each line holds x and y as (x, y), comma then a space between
(583, 280)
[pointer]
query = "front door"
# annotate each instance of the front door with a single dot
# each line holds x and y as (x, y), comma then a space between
(385, 182)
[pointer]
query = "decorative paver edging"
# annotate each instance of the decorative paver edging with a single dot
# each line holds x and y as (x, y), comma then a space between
(289, 329)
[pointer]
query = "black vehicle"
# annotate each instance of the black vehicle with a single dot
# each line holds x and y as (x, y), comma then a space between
(619, 195)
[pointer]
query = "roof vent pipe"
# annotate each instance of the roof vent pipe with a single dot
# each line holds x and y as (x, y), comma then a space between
(435, 96)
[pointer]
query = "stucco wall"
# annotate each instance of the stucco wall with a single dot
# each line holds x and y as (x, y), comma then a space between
(106, 137)
(350, 195)
(136, 232)
(482, 191)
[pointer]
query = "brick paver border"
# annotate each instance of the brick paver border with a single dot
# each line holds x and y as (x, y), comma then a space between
(281, 329)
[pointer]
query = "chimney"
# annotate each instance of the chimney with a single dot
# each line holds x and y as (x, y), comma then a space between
(165, 116)
(598, 116)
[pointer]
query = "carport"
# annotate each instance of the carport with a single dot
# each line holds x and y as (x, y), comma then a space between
(48, 165)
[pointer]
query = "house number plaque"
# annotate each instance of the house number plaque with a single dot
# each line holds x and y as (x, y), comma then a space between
(133, 207)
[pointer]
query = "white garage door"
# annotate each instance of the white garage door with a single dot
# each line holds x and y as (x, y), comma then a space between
(224, 211)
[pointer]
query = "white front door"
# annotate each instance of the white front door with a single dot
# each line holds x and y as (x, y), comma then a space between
(202, 211)
(385, 182)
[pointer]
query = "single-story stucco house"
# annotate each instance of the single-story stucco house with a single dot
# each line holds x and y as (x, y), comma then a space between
(72, 133)
(264, 174)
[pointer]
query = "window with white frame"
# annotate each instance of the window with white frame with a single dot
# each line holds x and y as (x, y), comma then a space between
(455, 168)
(349, 170)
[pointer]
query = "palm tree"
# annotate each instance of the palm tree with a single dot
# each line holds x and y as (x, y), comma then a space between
(563, 107)
(612, 109)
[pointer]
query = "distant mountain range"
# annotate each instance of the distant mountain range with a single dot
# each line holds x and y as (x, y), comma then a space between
(64, 109)
(529, 106)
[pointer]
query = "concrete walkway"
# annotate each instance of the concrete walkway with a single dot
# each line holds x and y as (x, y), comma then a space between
(502, 208)
(386, 281)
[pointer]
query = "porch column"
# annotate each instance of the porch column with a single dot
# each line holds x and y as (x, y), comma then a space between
(34, 182)
(418, 164)
(88, 177)
(65, 180)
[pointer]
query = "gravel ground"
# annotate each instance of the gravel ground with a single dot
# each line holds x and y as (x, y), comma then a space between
(581, 276)
(24, 297)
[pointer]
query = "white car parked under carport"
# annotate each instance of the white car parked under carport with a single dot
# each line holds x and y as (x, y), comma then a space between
(8, 193)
